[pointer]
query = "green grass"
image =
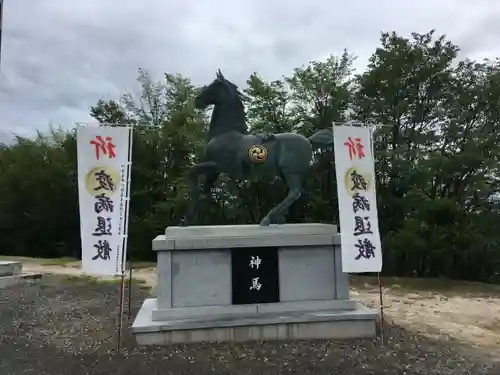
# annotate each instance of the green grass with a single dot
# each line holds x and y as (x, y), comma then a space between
(96, 280)
(142, 265)
(406, 285)
(66, 262)
(63, 262)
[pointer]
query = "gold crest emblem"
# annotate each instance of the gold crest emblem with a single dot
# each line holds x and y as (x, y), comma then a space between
(257, 154)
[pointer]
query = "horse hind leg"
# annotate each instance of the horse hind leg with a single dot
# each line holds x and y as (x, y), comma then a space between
(295, 190)
(210, 180)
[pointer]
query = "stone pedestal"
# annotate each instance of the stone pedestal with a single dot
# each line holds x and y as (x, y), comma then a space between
(247, 282)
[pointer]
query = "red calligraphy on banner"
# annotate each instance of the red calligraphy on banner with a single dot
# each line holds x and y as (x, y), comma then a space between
(355, 148)
(104, 146)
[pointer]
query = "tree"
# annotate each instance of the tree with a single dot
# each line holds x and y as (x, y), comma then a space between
(321, 92)
(402, 90)
(428, 150)
(268, 107)
(38, 176)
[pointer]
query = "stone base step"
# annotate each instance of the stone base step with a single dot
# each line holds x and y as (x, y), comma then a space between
(8, 281)
(10, 268)
(357, 323)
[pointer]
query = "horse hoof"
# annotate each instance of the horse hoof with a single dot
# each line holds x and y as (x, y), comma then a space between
(183, 223)
(265, 222)
(280, 220)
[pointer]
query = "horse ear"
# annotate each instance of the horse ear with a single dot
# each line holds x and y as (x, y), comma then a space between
(219, 74)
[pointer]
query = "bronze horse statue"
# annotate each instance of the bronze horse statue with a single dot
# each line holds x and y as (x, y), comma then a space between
(232, 150)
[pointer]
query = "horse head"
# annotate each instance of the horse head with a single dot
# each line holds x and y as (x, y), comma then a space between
(228, 102)
(220, 91)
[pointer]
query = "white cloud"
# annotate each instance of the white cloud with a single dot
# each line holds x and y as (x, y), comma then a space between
(60, 57)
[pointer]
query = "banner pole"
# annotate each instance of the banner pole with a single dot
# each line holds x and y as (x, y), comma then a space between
(129, 256)
(120, 317)
(129, 312)
(380, 286)
(381, 300)
(1, 27)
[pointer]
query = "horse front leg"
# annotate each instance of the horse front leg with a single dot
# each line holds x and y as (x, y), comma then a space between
(207, 169)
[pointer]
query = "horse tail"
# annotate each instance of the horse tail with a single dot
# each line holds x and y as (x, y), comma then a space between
(321, 139)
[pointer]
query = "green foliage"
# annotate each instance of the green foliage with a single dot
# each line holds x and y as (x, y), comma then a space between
(437, 157)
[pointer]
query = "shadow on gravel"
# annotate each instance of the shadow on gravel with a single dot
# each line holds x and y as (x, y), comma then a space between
(68, 326)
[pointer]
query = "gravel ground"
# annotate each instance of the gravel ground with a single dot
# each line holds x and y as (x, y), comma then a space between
(68, 326)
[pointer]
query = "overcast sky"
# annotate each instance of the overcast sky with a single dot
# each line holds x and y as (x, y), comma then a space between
(60, 56)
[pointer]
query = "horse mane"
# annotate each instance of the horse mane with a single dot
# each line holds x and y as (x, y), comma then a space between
(238, 98)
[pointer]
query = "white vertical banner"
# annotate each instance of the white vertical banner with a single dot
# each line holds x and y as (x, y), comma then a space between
(359, 229)
(104, 165)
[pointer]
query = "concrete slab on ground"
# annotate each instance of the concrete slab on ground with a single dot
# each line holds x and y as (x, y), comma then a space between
(10, 268)
(9, 281)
